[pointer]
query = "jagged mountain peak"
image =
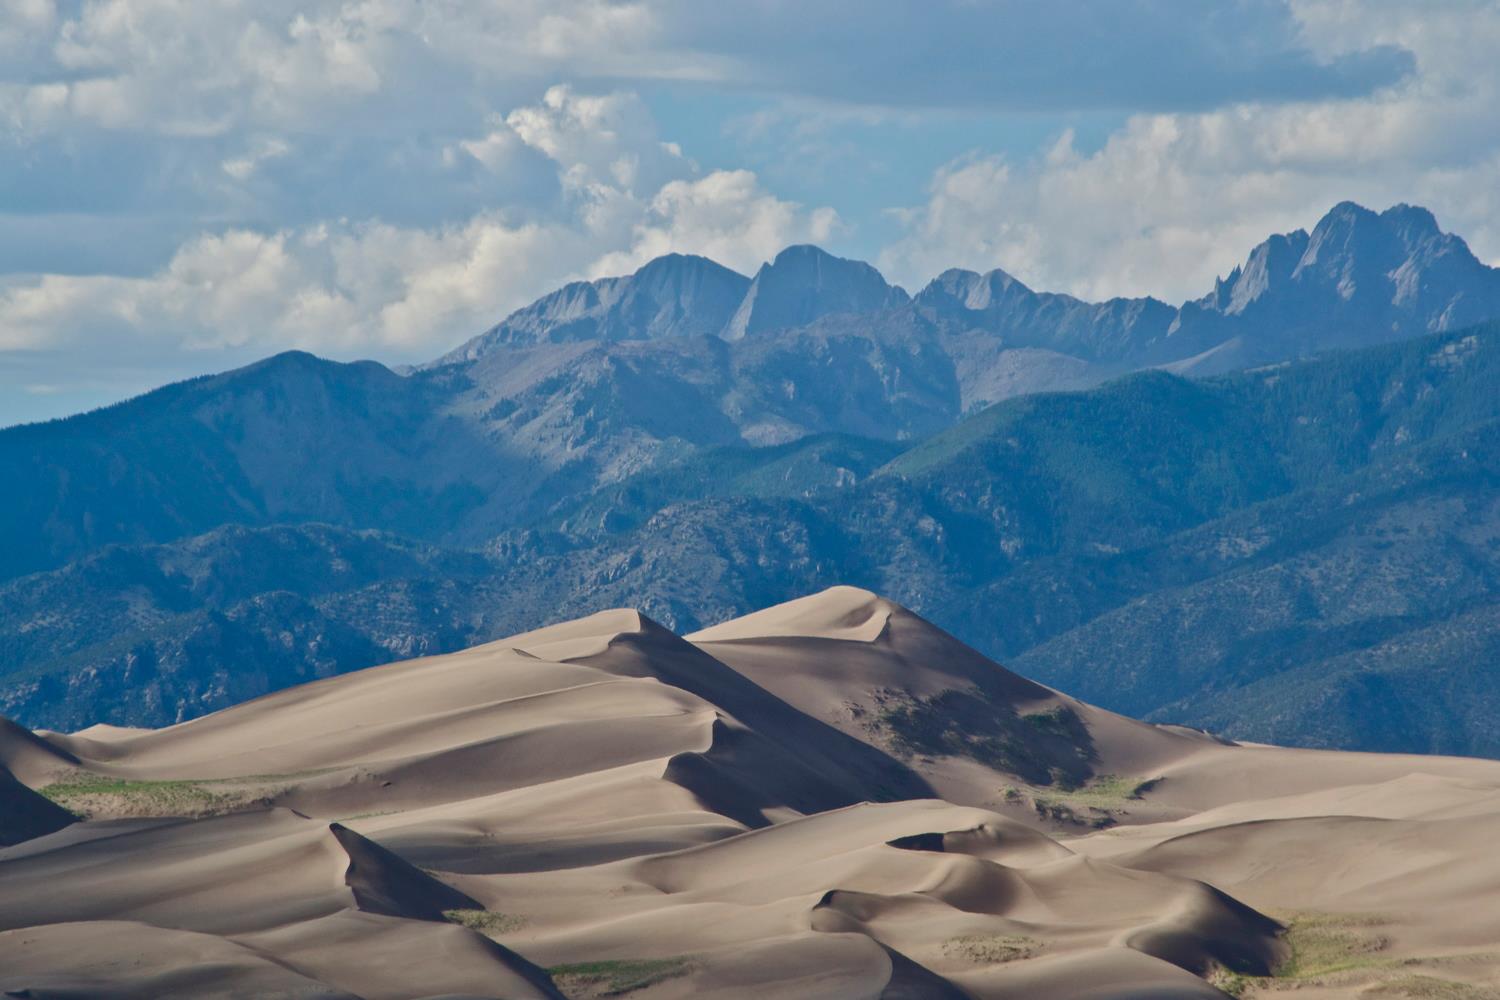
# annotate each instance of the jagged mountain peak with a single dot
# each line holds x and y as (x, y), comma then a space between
(1401, 234)
(971, 289)
(998, 304)
(670, 296)
(680, 267)
(805, 283)
(1401, 216)
(1359, 277)
(1272, 261)
(810, 255)
(1352, 251)
(1341, 278)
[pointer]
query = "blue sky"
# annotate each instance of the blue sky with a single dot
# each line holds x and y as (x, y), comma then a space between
(187, 185)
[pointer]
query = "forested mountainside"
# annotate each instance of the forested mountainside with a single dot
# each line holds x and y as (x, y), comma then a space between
(1305, 552)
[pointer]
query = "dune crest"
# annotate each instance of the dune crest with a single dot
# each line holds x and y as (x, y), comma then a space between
(846, 613)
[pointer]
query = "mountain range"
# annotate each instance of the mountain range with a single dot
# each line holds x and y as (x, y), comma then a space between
(1300, 552)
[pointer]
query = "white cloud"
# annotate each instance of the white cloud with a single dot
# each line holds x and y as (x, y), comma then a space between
(181, 67)
(220, 290)
(351, 288)
(595, 139)
(1172, 200)
(24, 27)
(186, 67)
(241, 168)
(189, 67)
(725, 216)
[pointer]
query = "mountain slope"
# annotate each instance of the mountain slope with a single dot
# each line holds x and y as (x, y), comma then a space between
(1157, 543)
(292, 438)
(804, 284)
(1358, 278)
(673, 296)
(152, 634)
(997, 303)
(456, 454)
(1370, 569)
(1361, 482)
(604, 379)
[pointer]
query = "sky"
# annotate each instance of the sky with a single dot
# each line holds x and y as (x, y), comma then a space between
(189, 185)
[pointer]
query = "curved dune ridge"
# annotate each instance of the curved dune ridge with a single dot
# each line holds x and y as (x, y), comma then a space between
(829, 798)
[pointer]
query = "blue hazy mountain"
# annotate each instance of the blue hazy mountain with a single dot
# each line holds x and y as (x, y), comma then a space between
(1357, 277)
(804, 284)
(672, 296)
(700, 443)
(997, 303)
(601, 380)
(1301, 552)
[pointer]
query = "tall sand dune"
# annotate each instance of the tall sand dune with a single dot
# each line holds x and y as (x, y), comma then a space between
(829, 798)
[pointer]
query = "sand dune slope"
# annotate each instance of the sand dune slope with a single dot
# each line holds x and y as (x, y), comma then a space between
(830, 798)
(877, 672)
(24, 814)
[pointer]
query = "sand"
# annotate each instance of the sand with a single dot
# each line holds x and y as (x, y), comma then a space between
(830, 798)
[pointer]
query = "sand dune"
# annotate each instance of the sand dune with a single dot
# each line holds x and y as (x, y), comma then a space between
(830, 798)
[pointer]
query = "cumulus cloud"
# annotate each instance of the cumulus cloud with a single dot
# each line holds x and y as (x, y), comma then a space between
(353, 289)
(1171, 200)
(596, 139)
(242, 167)
(179, 67)
(349, 288)
(725, 216)
(187, 67)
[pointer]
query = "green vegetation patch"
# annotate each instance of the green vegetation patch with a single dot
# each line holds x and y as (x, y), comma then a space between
(1232, 984)
(97, 796)
(991, 949)
(1044, 748)
(1432, 988)
(614, 978)
(1104, 792)
(1093, 804)
(1325, 943)
(1332, 947)
(1058, 720)
(487, 921)
(1321, 945)
(93, 796)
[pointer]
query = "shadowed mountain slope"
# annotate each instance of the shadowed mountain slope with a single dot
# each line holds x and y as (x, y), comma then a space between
(1166, 547)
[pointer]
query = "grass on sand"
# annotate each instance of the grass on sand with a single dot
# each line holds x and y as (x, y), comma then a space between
(1325, 947)
(616, 978)
(990, 949)
(98, 796)
(486, 922)
(1092, 804)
